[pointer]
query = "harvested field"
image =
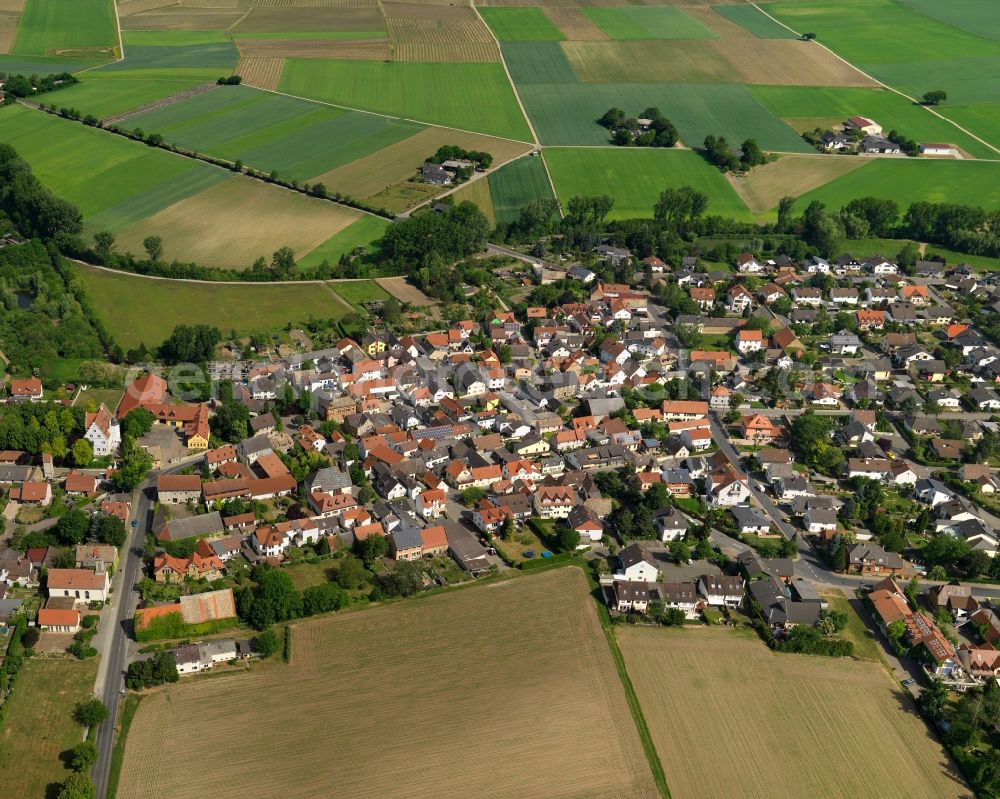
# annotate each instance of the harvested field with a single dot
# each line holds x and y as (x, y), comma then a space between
(307, 3)
(359, 49)
(752, 20)
(403, 196)
(574, 24)
(797, 719)
(790, 176)
(423, 25)
(397, 162)
(405, 292)
(176, 18)
(718, 23)
(479, 696)
(445, 53)
(8, 27)
(237, 221)
(477, 191)
(128, 7)
(785, 62)
(650, 61)
(325, 18)
(264, 73)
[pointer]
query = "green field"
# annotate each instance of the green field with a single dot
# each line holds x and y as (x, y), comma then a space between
(515, 185)
(979, 17)
(567, 114)
(866, 248)
(367, 229)
(138, 309)
(470, 96)
(219, 56)
(103, 174)
(635, 178)
(106, 94)
(66, 27)
(647, 22)
(521, 24)
(537, 63)
(914, 180)
(983, 119)
(887, 108)
(31, 65)
(296, 138)
(358, 292)
(153, 38)
(754, 21)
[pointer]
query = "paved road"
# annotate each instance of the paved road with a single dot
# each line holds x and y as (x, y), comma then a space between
(115, 651)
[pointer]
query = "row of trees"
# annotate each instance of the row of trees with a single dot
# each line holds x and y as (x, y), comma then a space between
(19, 86)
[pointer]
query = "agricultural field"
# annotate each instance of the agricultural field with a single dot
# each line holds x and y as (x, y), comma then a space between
(797, 720)
(479, 700)
(477, 192)
(80, 29)
(521, 24)
(634, 178)
(38, 725)
(358, 234)
(359, 292)
(140, 309)
(790, 176)
(517, 184)
(647, 22)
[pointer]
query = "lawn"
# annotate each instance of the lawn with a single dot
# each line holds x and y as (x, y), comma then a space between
(478, 699)
(515, 185)
(647, 22)
(296, 138)
(107, 396)
(80, 28)
(38, 725)
(791, 722)
(367, 229)
(913, 180)
(866, 645)
(358, 292)
(470, 96)
(138, 309)
(634, 178)
(528, 24)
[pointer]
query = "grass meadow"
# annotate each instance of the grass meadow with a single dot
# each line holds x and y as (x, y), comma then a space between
(470, 96)
(479, 711)
(515, 185)
(635, 178)
(790, 722)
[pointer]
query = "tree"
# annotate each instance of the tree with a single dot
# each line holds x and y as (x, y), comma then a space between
(283, 261)
(896, 630)
(272, 599)
(91, 713)
(77, 786)
(934, 98)
(752, 154)
(108, 530)
(72, 527)
(405, 579)
(372, 548)
(82, 452)
(568, 538)
(471, 496)
(391, 311)
(934, 699)
(104, 244)
(323, 598)
(153, 245)
(268, 643)
(84, 755)
(507, 529)
(137, 423)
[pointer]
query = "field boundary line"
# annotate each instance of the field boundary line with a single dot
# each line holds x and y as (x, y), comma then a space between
(913, 100)
(552, 185)
(506, 71)
(129, 709)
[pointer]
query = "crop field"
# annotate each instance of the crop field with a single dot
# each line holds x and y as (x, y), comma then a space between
(177, 18)
(296, 138)
(647, 61)
(446, 53)
(635, 178)
(80, 28)
(357, 234)
(574, 24)
(264, 73)
(515, 185)
(521, 24)
(234, 222)
(38, 725)
(791, 721)
(140, 309)
(329, 18)
(221, 56)
(647, 22)
(972, 16)
(477, 192)
(479, 699)
(412, 23)
(791, 176)
(752, 21)
(353, 49)
(367, 176)
(108, 94)
(358, 292)
(469, 96)
(914, 180)
(984, 119)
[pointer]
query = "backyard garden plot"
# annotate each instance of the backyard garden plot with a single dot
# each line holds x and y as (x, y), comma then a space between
(446, 53)
(910, 180)
(371, 174)
(178, 18)
(359, 49)
(806, 107)
(521, 24)
(296, 138)
(471, 96)
(264, 73)
(411, 23)
(237, 221)
(72, 28)
(793, 720)
(515, 185)
(647, 22)
(143, 310)
(480, 698)
(635, 178)
(574, 24)
(791, 176)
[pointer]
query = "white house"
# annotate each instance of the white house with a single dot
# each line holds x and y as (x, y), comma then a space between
(721, 591)
(817, 520)
(637, 565)
(82, 585)
(103, 432)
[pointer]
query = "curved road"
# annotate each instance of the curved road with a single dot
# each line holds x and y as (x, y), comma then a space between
(115, 649)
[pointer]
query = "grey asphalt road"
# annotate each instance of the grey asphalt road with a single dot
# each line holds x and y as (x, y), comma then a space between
(125, 603)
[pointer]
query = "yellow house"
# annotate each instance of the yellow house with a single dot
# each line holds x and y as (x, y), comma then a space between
(197, 441)
(531, 445)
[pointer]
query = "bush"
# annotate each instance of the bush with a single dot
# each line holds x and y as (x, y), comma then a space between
(84, 755)
(90, 713)
(268, 643)
(90, 620)
(160, 668)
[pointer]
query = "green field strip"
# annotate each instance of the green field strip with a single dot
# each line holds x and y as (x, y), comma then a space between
(29, 65)
(753, 20)
(514, 24)
(635, 177)
(647, 22)
(358, 234)
(470, 96)
(217, 55)
(109, 94)
(978, 17)
(983, 119)
(49, 26)
(154, 38)
(516, 184)
(966, 80)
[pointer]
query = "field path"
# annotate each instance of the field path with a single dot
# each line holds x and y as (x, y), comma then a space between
(163, 103)
(880, 83)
